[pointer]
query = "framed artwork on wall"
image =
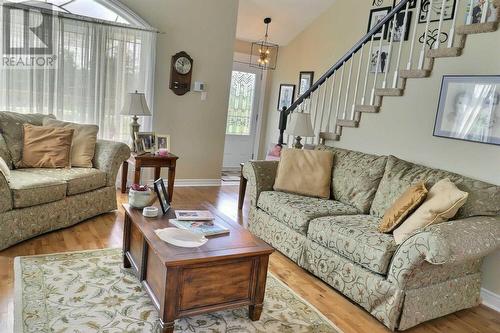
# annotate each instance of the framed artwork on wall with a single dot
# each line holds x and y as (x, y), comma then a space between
(378, 59)
(435, 10)
(306, 79)
(285, 98)
(376, 15)
(469, 108)
(400, 31)
(413, 3)
(478, 6)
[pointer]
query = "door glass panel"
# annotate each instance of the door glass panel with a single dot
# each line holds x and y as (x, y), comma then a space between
(239, 118)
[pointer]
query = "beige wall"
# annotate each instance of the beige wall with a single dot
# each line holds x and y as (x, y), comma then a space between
(404, 127)
(242, 46)
(206, 31)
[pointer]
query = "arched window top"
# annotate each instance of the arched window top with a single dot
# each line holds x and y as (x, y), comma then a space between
(107, 10)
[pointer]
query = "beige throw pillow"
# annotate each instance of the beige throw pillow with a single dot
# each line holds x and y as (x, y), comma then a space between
(84, 141)
(4, 168)
(402, 207)
(46, 147)
(306, 172)
(443, 202)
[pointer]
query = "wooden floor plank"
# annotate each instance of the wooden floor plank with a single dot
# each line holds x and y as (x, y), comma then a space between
(106, 231)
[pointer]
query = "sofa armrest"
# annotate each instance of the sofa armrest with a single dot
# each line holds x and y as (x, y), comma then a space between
(5, 195)
(260, 176)
(108, 157)
(446, 244)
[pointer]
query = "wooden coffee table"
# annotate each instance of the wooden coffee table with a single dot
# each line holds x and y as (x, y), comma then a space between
(227, 272)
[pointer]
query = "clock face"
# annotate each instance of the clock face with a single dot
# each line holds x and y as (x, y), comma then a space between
(182, 65)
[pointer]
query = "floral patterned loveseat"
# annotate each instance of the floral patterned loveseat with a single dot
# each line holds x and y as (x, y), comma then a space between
(35, 201)
(433, 273)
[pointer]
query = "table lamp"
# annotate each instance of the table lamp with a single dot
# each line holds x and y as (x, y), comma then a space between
(135, 105)
(300, 126)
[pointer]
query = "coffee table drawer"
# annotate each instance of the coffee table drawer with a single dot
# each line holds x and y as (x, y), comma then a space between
(209, 285)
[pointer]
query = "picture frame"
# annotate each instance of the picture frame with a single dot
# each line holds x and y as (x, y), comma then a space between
(306, 80)
(376, 15)
(398, 29)
(477, 12)
(413, 3)
(148, 141)
(469, 108)
(162, 142)
(286, 96)
(162, 195)
(382, 62)
(435, 11)
(139, 147)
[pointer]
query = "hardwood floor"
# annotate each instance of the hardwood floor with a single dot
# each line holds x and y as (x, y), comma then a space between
(106, 231)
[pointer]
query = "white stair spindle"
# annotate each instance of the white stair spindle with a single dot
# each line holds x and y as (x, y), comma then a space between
(348, 89)
(357, 80)
(372, 97)
(414, 35)
(471, 8)
(316, 110)
(312, 111)
(451, 34)
(340, 93)
(368, 62)
(484, 11)
(330, 104)
(322, 108)
(421, 60)
(398, 61)
(389, 55)
(440, 26)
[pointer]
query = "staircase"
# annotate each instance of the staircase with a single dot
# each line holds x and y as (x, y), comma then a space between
(361, 79)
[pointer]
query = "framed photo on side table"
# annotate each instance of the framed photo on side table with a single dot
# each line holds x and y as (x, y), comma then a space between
(162, 194)
(162, 141)
(148, 141)
(469, 108)
(285, 99)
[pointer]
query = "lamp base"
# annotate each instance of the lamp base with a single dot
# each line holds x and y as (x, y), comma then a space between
(134, 128)
(298, 144)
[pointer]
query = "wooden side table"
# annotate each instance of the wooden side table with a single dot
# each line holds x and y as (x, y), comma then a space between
(151, 161)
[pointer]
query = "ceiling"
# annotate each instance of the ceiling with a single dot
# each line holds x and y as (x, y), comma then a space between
(290, 17)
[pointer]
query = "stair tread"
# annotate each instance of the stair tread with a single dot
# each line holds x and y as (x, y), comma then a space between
(477, 28)
(347, 123)
(389, 91)
(445, 52)
(414, 73)
(366, 108)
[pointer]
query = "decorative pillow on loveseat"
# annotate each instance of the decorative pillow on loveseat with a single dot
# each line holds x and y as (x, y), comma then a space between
(46, 147)
(443, 202)
(306, 172)
(84, 141)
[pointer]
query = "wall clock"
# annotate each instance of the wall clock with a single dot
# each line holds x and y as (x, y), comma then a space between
(181, 69)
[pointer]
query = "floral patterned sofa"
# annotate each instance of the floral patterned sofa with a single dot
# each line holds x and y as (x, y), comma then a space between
(433, 273)
(35, 201)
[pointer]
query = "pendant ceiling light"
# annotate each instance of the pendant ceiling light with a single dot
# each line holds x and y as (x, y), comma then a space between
(264, 54)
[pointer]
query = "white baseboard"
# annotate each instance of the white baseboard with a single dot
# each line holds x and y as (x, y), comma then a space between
(490, 299)
(197, 182)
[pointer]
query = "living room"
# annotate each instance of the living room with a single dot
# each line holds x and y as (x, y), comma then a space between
(251, 166)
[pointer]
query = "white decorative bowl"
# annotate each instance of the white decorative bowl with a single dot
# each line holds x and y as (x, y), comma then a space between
(180, 237)
(141, 199)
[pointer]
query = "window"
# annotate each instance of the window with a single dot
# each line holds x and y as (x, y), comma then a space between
(241, 98)
(95, 63)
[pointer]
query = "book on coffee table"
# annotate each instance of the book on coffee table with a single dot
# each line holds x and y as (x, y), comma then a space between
(193, 215)
(206, 228)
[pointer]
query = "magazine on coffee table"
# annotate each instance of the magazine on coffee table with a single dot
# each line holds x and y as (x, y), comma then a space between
(193, 215)
(206, 228)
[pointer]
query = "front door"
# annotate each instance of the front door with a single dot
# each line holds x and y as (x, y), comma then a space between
(242, 115)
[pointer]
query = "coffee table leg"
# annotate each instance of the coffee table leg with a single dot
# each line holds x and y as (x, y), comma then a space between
(167, 327)
(126, 241)
(255, 310)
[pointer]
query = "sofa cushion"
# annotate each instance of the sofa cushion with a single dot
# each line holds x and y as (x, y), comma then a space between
(355, 177)
(356, 238)
(79, 180)
(484, 198)
(30, 189)
(11, 127)
(296, 211)
(4, 152)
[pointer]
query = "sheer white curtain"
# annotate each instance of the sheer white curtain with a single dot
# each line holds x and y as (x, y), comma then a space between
(97, 65)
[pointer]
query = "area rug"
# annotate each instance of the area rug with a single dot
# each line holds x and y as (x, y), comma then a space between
(90, 291)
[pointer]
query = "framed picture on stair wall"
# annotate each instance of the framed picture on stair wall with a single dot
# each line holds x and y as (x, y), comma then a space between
(469, 109)
(401, 31)
(285, 98)
(377, 15)
(413, 3)
(435, 11)
(478, 6)
(378, 59)
(306, 80)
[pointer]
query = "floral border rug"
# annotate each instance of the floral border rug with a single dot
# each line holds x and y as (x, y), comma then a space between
(90, 291)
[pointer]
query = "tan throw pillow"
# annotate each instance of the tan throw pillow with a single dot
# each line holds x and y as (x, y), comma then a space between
(402, 207)
(443, 202)
(46, 147)
(306, 172)
(4, 168)
(84, 141)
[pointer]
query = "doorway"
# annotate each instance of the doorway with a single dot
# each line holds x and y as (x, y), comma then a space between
(243, 125)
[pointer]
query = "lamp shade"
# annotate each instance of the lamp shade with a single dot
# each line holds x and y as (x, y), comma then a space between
(135, 105)
(300, 125)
